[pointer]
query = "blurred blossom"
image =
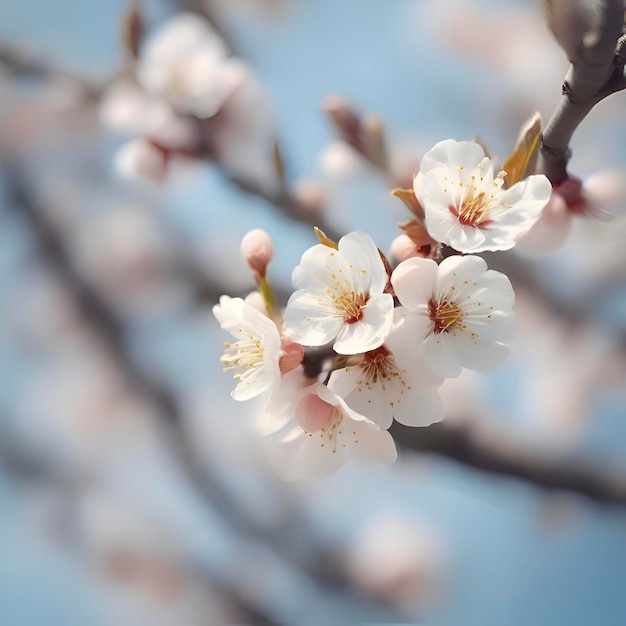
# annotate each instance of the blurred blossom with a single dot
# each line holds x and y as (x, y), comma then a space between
(80, 410)
(127, 109)
(565, 367)
(128, 257)
(311, 196)
(141, 158)
(243, 133)
(141, 568)
(398, 560)
(338, 161)
(186, 63)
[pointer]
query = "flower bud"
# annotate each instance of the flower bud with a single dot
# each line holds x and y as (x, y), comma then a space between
(402, 248)
(257, 250)
(551, 230)
(292, 354)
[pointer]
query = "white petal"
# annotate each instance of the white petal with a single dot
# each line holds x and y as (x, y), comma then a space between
(371, 330)
(414, 281)
(361, 253)
(423, 409)
(485, 355)
(440, 356)
(310, 322)
(371, 444)
(368, 401)
(454, 154)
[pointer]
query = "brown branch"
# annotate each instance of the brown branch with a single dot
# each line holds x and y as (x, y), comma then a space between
(597, 74)
(499, 453)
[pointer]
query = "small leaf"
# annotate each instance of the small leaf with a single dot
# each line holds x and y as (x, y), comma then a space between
(324, 240)
(516, 166)
(410, 201)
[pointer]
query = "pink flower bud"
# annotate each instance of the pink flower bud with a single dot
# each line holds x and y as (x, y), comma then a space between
(311, 197)
(257, 250)
(551, 230)
(402, 248)
(603, 191)
(292, 354)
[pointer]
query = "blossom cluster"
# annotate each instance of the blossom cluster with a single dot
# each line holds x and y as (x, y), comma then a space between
(359, 344)
(186, 95)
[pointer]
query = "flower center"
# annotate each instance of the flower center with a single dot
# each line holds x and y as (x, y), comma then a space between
(473, 207)
(377, 363)
(350, 306)
(246, 357)
(445, 315)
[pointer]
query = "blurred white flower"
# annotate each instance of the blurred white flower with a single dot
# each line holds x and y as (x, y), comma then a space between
(186, 63)
(340, 296)
(141, 158)
(550, 231)
(255, 356)
(399, 561)
(463, 312)
(128, 109)
(464, 203)
(243, 134)
(392, 381)
(125, 253)
(325, 434)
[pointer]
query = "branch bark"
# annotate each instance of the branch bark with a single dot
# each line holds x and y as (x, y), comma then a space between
(597, 74)
(486, 449)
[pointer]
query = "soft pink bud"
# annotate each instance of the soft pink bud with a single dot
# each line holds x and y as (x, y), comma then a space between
(142, 159)
(551, 230)
(292, 354)
(311, 197)
(570, 188)
(402, 248)
(313, 413)
(603, 191)
(257, 250)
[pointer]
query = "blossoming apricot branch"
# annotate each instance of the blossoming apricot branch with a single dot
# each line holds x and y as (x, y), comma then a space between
(386, 358)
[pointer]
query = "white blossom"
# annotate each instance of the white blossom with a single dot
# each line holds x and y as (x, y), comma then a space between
(324, 434)
(392, 381)
(465, 203)
(126, 108)
(186, 62)
(255, 356)
(340, 296)
(462, 312)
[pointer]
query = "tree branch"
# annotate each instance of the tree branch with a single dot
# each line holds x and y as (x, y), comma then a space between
(597, 74)
(495, 452)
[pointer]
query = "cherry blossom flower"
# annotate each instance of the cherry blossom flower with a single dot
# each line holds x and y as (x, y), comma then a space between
(255, 356)
(463, 312)
(325, 434)
(186, 63)
(340, 296)
(392, 381)
(465, 204)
